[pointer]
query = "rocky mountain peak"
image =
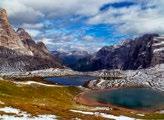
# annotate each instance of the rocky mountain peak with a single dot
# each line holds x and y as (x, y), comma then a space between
(4, 22)
(23, 34)
(8, 36)
(42, 47)
(142, 52)
(18, 52)
(20, 30)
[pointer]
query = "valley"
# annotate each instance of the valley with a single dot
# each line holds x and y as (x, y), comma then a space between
(42, 99)
(39, 84)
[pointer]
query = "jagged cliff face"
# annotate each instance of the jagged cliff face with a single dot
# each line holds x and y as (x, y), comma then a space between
(37, 49)
(18, 52)
(8, 37)
(158, 50)
(142, 52)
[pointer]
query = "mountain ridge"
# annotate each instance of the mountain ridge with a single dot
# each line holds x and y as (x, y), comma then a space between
(19, 52)
(140, 53)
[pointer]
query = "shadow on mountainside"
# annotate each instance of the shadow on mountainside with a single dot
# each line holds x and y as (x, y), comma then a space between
(12, 61)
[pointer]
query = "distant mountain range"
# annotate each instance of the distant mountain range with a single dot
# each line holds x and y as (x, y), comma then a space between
(69, 59)
(142, 52)
(18, 52)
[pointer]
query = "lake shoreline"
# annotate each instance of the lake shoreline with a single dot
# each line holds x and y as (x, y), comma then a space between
(26, 81)
(83, 99)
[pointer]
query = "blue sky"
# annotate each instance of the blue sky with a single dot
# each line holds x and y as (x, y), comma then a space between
(67, 25)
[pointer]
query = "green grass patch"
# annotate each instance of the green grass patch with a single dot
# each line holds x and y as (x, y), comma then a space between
(37, 99)
(57, 100)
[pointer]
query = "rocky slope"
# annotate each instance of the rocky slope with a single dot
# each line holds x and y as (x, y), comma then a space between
(142, 52)
(18, 52)
(152, 77)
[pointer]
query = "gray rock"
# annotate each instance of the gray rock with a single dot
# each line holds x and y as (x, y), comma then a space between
(40, 73)
(143, 52)
(152, 77)
(18, 52)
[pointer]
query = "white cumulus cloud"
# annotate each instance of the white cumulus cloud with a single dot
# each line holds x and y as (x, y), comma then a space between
(145, 17)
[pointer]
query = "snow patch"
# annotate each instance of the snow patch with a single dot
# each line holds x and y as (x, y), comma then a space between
(101, 108)
(161, 112)
(157, 44)
(21, 115)
(101, 82)
(104, 115)
(140, 114)
(158, 50)
(159, 38)
(40, 117)
(10, 110)
(33, 82)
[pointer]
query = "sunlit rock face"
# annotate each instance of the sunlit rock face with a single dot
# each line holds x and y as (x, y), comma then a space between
(38, 49)
(8, 37)
(158, 50)
(18, 52)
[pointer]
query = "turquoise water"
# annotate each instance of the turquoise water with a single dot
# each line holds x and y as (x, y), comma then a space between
(133, 98)
(71, 80)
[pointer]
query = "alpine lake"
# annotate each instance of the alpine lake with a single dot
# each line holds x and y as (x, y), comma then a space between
(58, 96)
